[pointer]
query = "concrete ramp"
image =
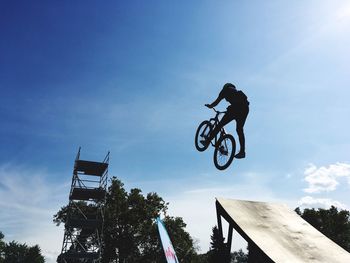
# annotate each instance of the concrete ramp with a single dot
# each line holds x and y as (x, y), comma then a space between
(275, 233)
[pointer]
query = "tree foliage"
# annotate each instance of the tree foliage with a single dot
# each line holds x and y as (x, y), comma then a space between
(130, 231)
(239, 257)
(14, 252)
(218, 251)
(332, 223)
(2, 247)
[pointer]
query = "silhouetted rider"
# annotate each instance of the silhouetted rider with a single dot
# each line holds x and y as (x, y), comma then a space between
(238, 110)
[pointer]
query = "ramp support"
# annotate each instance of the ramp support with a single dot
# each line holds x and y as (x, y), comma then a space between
(256, 255)
(226, 247)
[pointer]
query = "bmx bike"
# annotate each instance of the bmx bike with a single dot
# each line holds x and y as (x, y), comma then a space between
(224, 144)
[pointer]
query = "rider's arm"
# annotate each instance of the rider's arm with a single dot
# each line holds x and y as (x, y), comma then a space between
(216, 102)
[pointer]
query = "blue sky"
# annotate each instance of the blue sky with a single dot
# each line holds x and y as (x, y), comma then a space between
(132, 78)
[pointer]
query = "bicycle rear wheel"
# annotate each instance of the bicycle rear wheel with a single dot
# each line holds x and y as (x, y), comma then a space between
(224, 151)
(202, 133)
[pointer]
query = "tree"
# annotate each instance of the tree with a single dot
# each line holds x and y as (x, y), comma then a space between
(34, 255)
(14, 252)
(218, 251)
(2, 247)
(216, 254)
(130, 231)
(332, 223)
(203, 258)
(130, 226)
(239, 257)
(183, 242)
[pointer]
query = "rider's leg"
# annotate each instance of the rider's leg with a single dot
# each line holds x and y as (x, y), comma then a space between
(240, 121)
(241, 138)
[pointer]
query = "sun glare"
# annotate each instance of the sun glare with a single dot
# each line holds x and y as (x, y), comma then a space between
(344, 12)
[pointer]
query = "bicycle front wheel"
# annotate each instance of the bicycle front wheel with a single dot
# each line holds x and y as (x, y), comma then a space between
(224, 152)
(202, 133)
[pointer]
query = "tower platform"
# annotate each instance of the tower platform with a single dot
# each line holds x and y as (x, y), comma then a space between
(90, 168)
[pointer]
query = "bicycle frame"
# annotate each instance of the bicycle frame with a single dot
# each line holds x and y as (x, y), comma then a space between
(215, 122)
(224, 144)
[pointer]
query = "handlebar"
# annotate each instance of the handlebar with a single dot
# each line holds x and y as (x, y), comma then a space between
(218, 112)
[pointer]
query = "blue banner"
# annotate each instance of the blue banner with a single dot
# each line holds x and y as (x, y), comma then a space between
(166, 243)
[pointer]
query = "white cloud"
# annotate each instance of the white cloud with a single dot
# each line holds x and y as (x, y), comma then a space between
(28, 201)
(325, 179)
(310, 202)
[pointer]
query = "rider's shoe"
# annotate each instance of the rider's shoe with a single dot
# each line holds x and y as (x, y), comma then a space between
(240, 155)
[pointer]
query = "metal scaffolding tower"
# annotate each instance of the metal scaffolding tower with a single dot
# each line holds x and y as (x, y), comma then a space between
(83, 231)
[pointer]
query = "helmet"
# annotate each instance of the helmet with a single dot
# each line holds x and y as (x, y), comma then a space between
(229, 85)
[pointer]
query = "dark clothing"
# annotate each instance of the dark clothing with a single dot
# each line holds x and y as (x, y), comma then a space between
(238, 110)
(235, 97)
(238, 114)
